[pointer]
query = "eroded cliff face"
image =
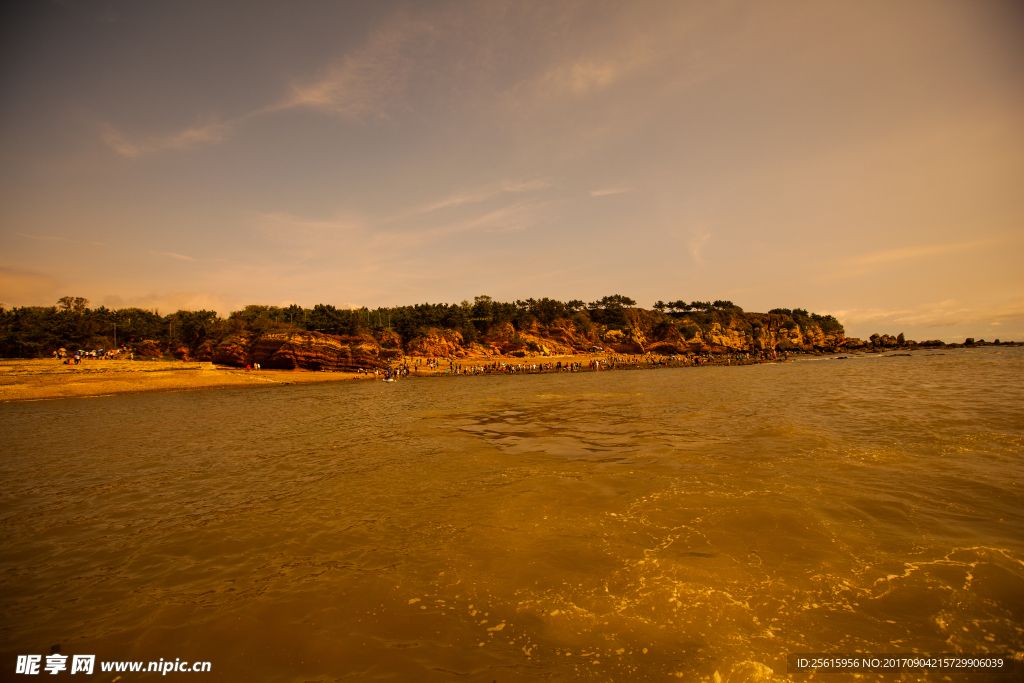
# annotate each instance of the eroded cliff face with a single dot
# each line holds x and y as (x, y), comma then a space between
(437, 344)
(315, 351)
(537, 339)
(742, 332)
(637, 331)
(647, 331)
(290, 350)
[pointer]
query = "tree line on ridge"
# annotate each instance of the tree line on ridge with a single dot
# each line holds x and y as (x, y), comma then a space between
(37, 331)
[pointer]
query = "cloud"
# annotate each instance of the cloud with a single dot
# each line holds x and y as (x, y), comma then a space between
(696, 245)
(608, 191)
(579, 78)
(169, 302)
(366, 79)
(216, 131)
(907, 253)
(25, 287)
(510, 218)
(177, 256)
(363, 246)
(363, 82)
(477, 196)
(276, 221)
(436, 49)
(515, 217)
(47, 238)
(938, 314)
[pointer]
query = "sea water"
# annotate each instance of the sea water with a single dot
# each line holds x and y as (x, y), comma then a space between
(613, 526)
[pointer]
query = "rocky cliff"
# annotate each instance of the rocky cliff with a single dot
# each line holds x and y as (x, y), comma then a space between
(290, 350)
(626, 330)
(326, 337)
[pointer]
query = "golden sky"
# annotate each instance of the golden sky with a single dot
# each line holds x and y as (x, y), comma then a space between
(864, 159)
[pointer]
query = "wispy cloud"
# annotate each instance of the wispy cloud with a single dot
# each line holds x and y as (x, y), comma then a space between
(212, 132)
(608, 191)
(47, 238)
(476, 196)
(947, 313)
(364, 82)
(696, 245)
(385, 242)
(287, 223)
(518, 216)
(370, 81)
(907, 253)
(25, 287)
(579, 78)
(51, 238)
(366, 79)
(171, 254)
(168, 302)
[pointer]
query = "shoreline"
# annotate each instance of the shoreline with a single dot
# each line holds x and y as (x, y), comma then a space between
(46, 379)
(37, 380)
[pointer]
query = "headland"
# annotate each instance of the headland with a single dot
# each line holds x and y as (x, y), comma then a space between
(71, 350)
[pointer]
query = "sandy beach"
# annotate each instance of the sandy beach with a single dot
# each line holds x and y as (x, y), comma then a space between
(42, 379)
(28, 380)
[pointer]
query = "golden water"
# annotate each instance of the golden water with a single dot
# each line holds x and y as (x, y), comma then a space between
(621, 526)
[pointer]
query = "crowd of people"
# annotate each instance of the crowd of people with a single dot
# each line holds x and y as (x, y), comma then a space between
(81, 355)
(451, 366)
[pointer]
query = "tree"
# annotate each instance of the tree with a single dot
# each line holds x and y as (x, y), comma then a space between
(192, 327)
(295, 313)
(74, 304)
(613, 301)
(482, 311)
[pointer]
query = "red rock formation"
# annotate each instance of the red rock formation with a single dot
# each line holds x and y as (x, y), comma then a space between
(437, 344)
(563, 334)
(667, 348)
(231, 351)
(504, 338)
(147, 347)
(290, 350)
(315, 351)
(637, 331)
(854, 344)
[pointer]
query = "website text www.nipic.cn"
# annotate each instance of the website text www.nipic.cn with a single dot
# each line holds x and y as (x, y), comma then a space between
(86, 664)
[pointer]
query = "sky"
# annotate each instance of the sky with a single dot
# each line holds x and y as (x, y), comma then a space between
(863, 159)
